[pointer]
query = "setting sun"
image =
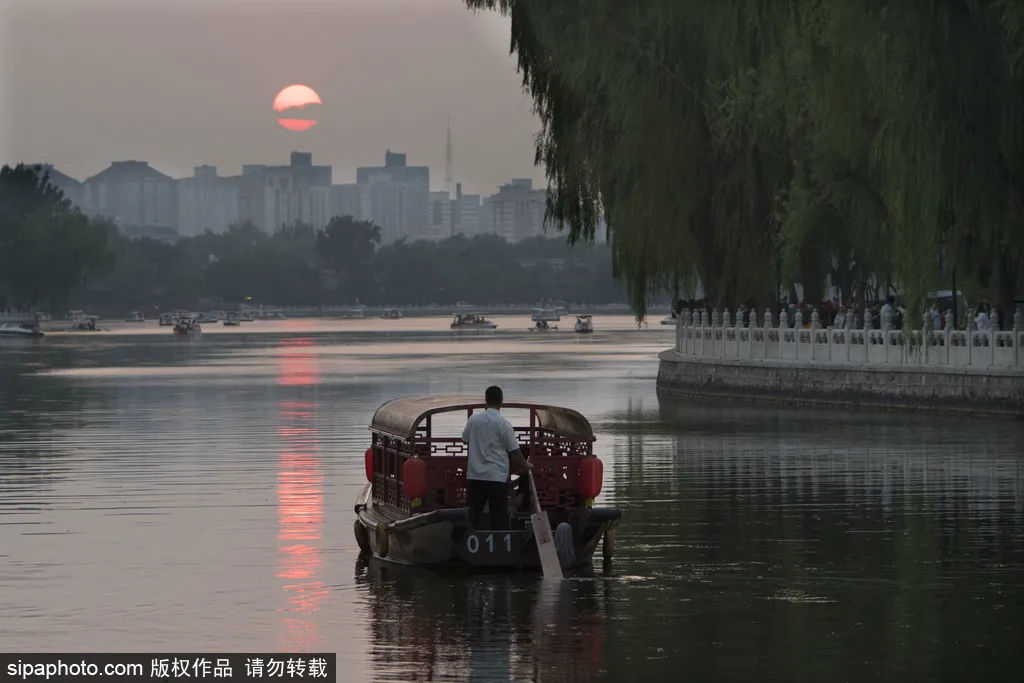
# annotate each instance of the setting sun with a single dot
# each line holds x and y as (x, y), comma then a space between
(296, 97)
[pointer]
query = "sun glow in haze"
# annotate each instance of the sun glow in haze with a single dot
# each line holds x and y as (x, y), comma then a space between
(296, 97)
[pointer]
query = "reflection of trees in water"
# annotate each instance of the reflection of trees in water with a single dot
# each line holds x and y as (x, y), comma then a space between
(820, 545)
(432, 626)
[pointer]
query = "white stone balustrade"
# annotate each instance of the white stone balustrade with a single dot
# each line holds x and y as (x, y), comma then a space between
(922, 347)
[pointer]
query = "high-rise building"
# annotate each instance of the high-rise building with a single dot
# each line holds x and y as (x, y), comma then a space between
(516, 212)
(395, 197)
(273, 196)
(466, 209)
(207, 202)
(133, 195)
(72, 188)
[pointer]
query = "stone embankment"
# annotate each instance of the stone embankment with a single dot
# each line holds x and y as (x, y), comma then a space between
(949, 370)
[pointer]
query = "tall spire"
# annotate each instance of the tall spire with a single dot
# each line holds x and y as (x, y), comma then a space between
(449, 177)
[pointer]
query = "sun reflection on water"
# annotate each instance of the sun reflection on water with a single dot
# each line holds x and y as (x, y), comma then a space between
(300, 502)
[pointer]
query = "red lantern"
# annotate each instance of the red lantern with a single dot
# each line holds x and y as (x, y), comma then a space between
(414, 478)
(591, 477)
(369, 464)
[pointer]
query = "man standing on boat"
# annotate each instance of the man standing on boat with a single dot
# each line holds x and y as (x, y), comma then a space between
(492, 446)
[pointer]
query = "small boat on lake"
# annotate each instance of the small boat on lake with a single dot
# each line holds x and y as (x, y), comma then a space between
(187, 327)
(670, 320)
(472, 321)
(412, 510)
(584, 324)
(23, 330)
(393, 314)
(135, 317)
(542, 326)
(232, 321)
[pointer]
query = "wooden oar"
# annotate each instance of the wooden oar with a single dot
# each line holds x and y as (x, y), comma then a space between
(542, 532)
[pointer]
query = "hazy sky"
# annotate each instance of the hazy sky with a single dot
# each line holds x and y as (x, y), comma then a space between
(180, 83)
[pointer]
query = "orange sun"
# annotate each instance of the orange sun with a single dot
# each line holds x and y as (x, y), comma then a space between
(296, 97)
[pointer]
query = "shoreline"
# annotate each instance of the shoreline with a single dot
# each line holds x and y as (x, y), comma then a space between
(964, 390)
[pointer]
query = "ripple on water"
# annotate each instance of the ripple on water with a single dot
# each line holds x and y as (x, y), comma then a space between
(157, 495)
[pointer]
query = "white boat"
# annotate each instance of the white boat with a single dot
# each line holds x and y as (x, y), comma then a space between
(245, 317)
(393, 314)
(79, 315)
(670, 320)
(27, 330)
(561, 308)
(584, 324)
(472, 321)
(211, 317)
(135, 317)
(354, 313)
(545, 314)
(542, 326)
(232, 321)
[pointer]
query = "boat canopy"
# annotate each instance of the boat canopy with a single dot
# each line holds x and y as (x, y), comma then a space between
(584, 317)
(402, 416)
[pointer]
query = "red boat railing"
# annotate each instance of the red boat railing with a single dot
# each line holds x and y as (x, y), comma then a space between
(555, 458)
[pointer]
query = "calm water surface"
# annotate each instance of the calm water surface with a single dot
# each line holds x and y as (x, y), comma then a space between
(162, 495)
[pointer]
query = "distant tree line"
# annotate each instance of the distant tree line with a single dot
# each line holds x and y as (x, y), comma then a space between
(53, 257)
(749, 143)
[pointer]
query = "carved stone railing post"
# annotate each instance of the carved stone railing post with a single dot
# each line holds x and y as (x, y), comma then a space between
(848, 320)
(767, 320)
(994, 321)
(739, 318)
(815, 320)
(867, 323)
(798, 321)
(1018, 321)
(716, 318)
(725, 319)
(783, 322)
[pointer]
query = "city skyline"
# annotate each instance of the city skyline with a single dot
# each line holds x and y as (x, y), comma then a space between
(141, 200)
(186, 84)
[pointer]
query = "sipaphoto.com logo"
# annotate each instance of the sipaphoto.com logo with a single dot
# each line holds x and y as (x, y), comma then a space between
(30, 671)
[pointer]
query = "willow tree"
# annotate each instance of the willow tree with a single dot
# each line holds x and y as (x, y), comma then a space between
(724, 140)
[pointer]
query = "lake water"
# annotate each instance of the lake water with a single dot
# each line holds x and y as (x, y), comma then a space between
(160, 495)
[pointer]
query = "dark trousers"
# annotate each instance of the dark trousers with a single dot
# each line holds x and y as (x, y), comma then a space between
(494, 494)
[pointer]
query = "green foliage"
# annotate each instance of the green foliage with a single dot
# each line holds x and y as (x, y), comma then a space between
(342, 264)
(47, 248)
(745, 142)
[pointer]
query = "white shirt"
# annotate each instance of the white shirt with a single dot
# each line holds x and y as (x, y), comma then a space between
(490, 438)
(982, 322)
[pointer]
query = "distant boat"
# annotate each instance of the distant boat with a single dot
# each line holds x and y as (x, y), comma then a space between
(670, 320)
(232, 321)
(135, 317)
(472, 321)
(353, 313)
(393, 314)
(584, 324)
(542, 326)
(27, 330)
(545, 314)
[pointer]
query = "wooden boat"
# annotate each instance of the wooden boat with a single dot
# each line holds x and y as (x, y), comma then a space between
(542, 326)
(412, 509)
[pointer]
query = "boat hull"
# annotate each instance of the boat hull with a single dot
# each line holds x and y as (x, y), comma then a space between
(444, 538)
